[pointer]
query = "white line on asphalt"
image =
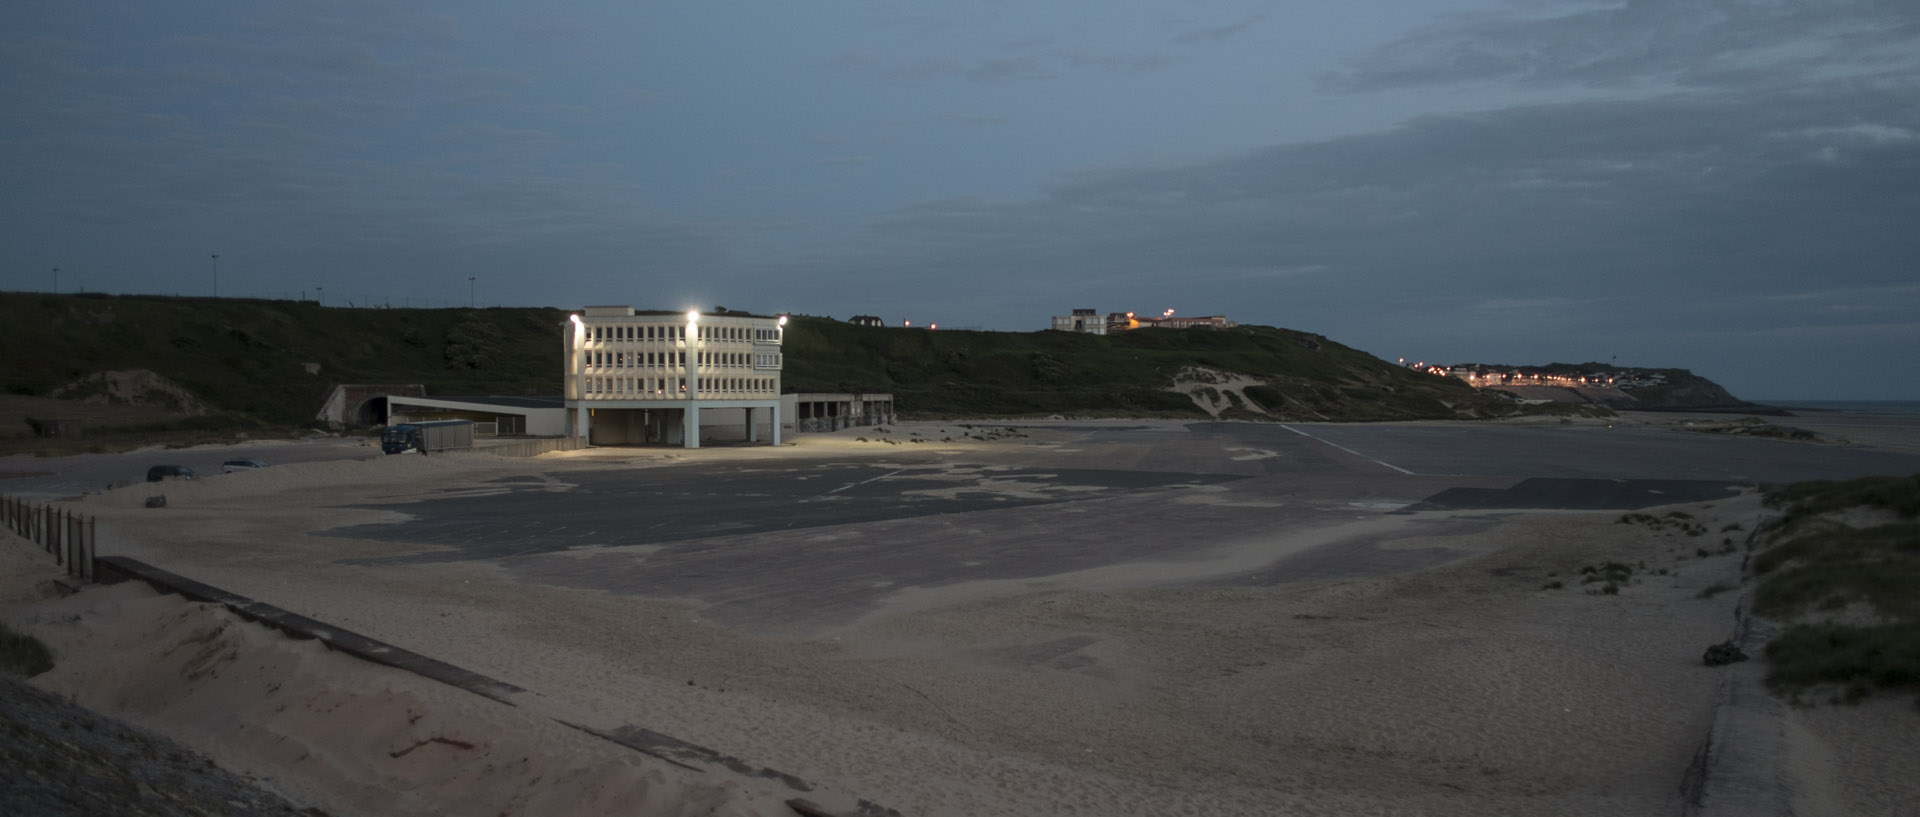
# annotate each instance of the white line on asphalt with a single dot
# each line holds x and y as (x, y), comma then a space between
(865, 481)
(1348, 450)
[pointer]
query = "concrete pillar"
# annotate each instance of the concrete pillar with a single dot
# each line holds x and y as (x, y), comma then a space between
(690, 425)
(775, 425)
(753, 431)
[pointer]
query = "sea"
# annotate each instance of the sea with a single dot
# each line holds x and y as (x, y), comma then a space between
(1848, 406)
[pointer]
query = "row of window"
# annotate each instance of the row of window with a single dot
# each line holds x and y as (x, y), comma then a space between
(678, 360)
(655, 388)
(671, 332)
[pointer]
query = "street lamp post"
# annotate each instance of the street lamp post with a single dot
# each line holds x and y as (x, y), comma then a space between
(321, 296)
(216, 275)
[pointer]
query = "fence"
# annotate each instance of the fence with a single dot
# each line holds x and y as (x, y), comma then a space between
(534, 447)
(67, 535)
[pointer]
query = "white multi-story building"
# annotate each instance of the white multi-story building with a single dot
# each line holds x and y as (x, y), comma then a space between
(654, 377)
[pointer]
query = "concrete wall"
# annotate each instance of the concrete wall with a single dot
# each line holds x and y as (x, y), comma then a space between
(729, 425)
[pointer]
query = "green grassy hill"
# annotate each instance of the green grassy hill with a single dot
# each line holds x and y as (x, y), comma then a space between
(957, 373)
(271, 363)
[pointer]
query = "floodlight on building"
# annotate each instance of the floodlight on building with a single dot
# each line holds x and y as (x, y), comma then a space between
(783, 320)
(693, 316)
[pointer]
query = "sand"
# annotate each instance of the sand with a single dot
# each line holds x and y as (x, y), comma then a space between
(1468, 687)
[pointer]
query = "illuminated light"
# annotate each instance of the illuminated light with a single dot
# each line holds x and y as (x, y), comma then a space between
(576, 320)
(783, 320)
(693, 316)
(933, 326)
(906, 323)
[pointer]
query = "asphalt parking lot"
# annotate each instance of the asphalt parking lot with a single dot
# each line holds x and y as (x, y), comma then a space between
(725, 532)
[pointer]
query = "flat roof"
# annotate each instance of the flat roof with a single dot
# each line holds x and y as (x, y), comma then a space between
(489, 400)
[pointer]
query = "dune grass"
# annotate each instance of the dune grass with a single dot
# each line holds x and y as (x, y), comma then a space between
(1851, 596)
(22, 654)
(1860, 660)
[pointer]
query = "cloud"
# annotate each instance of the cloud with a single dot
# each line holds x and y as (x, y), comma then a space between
(963, 47)
(1587, 219)
(1637, 43)
(1217, 34)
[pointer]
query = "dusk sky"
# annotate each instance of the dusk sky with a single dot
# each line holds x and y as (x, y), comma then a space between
(1730, 186)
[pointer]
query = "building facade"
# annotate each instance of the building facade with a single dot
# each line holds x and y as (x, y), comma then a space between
(655, 377)
(1082, 320)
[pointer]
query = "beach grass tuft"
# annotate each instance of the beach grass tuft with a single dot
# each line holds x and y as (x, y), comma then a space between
(22, 654)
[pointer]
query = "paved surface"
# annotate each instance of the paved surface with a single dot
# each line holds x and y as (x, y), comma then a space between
(1600, 452)
(656, 506)
(792, 544)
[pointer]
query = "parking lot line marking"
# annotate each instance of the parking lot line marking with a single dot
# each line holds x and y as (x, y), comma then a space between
(1348, 450)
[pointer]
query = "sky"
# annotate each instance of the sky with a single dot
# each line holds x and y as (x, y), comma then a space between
(1728, 186)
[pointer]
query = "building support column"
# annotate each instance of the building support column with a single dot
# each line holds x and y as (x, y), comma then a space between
(753, 431)
(774, 412)
(690, 425)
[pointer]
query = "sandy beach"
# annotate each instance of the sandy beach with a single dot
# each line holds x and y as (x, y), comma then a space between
(1295, 646)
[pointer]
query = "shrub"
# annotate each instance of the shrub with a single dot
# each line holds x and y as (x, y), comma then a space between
(1860, 658)
(1898, 494)
(1715, 589)
(23, 654)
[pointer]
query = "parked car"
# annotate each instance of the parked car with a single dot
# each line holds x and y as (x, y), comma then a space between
(231, 466)
(159, 473)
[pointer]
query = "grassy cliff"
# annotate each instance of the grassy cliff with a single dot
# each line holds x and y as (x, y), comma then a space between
(271, 363)
(1299, 376)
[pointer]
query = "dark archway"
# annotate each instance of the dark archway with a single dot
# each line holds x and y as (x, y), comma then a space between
(371, 412)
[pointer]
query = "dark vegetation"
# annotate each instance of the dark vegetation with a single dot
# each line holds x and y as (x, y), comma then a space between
(1852, 594)
(265, 366)
(22, 654)
(250, 361)
(962, 373)
(1755, 427)
(258, 367)
(1678, 520)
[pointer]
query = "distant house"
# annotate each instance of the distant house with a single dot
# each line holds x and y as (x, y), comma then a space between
(1122, 321)
(1206, 322)
(866, 320)
(1082, 320)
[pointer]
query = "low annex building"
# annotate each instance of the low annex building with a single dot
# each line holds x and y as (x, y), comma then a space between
(658, 377)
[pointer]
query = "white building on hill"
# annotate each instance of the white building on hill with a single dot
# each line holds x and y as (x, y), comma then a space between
(1082, 320)
(672, 377)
